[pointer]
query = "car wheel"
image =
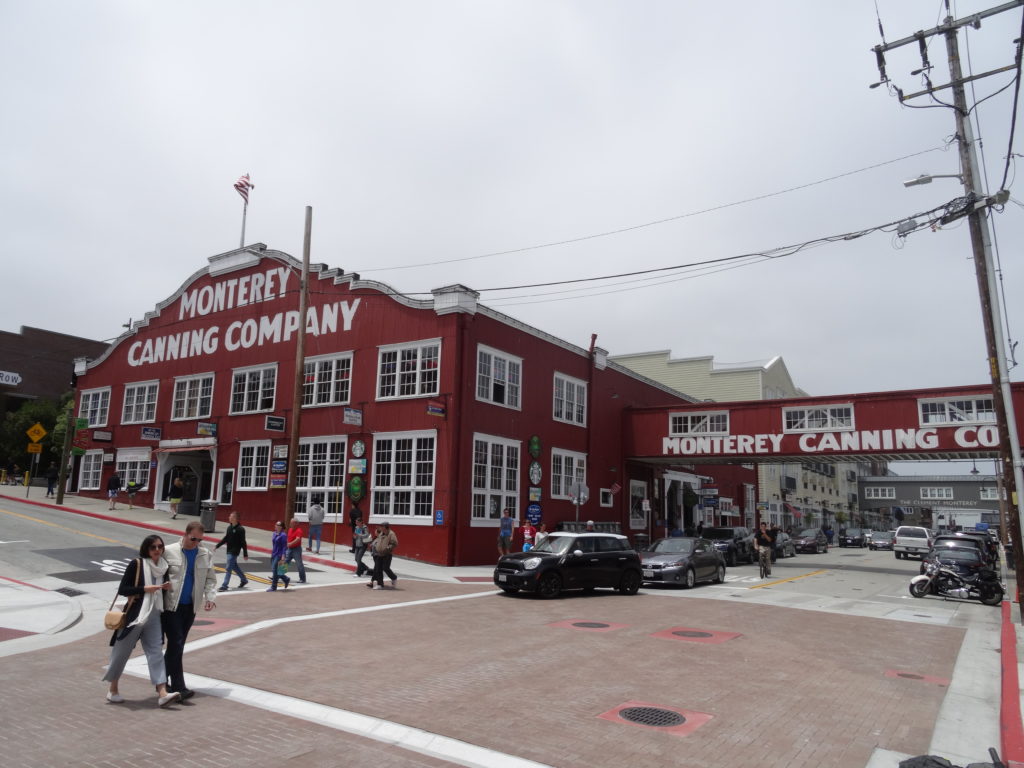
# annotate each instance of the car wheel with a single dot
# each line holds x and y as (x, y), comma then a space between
(691, 578)
(630, 583)
(720, 574)
(550, 585)
(510, 590)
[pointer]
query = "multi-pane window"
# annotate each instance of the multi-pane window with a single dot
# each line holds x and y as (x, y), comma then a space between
(327, 380)
(92, 468)
(252, 389)
(403, 475)
(94, 406)
(570, 400)
(957, 410)
(567, 468)
(825, 419)
(879, 493)
(133, 466)
(409, 370)
(937, 494)
(253, 466)
(495, 477)
(704, 423)
(139, 402)
(193, 396)
(989, 494)
(498, 377)
(320, 474)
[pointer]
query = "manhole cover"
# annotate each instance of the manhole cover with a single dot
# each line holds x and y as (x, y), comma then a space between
(691, 633)
(910, 676)
(590, 625)
(69, 591)
(652, 716)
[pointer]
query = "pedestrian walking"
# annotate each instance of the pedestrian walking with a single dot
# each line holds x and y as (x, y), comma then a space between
(384, 544)
(360, 541)
(234, 540)
(278, 552)
(175, 496)
(193, 582)
(145, 583)
(700, 529)
(505, 528)
(113, 488)
(316, 526)
(528, 533)
(52, 474)
(295, 548)
(130, 489)
(542, 535)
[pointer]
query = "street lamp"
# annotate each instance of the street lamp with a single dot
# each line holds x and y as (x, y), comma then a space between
(926, 178)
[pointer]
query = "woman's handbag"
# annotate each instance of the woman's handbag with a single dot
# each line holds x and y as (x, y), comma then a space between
(367, 538)
(115, 619)
(282, 568)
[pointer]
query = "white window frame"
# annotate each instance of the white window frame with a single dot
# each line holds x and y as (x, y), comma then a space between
(385, 461)
(150, 391)
(97, 413)
(422, 389)
(134, 464)
(988, 493)
(320, 475)
(245, 375)
(257, 473)
(91, 470)
(940, 411)
(606, 497)
(496, 482)
(833, 420)
(880, 492)
(222, 475)
(560, 480)
(313, 385)
(577, 404)
(184, 395)
(499, 368)
(936, 493)
(685, 423)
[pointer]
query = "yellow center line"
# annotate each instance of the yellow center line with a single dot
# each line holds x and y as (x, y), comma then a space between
(783, 581)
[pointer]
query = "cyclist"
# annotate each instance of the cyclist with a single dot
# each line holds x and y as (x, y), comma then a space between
(764, 543)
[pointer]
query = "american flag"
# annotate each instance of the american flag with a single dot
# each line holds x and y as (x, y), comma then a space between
(615, 488)
(243, 185)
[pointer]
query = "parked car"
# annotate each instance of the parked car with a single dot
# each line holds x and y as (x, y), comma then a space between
(912, 540)
(683, 561)
(737, 544)
(784, 546)
(882, 540)
(965, 560)
(572, 561)
(812, 540)
(853, 537)
(979, 541)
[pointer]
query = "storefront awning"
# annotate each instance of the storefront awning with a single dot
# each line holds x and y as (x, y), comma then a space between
(186, 449)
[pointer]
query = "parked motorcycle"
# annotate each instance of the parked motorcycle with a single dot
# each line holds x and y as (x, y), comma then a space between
(945, 582)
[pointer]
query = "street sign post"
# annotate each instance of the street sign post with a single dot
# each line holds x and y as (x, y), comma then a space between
(578, 494)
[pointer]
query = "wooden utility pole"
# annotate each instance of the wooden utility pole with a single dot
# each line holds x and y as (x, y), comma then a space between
(300, 365)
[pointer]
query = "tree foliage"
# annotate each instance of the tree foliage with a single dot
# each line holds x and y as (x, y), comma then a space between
(14, 440)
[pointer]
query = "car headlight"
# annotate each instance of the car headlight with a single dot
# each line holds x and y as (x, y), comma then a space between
(531, 562)
(678, 563)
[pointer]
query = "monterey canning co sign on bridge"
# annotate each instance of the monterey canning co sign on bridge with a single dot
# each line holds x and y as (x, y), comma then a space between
(918, 424)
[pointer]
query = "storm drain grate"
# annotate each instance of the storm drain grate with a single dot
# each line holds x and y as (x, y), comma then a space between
(691, 633)
(652, 716)
(590, 625)
(70, 591)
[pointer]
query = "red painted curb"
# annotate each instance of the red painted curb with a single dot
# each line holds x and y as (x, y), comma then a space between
(110, 518)
(1011, 730)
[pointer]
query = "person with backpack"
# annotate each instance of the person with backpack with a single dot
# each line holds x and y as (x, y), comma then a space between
(384, 544)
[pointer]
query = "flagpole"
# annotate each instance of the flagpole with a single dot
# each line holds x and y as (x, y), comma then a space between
(245, 209)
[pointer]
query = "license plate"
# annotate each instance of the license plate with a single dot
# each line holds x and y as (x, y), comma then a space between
(648, 574)
(502, 577)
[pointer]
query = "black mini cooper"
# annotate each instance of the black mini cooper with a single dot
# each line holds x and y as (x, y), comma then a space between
(572, 561)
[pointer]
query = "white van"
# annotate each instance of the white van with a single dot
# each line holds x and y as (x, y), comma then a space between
(912, 540)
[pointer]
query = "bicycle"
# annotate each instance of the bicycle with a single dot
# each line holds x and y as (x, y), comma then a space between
(764, 559)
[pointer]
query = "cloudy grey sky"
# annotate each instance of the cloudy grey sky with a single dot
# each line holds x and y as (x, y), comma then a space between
(426, 132)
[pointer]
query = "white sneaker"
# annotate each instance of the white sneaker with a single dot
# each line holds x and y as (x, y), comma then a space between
(170, 698)
(115, 698)
(393, 582)
(377, 586)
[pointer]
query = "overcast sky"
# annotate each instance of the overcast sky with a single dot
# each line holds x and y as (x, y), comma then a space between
(423, 132)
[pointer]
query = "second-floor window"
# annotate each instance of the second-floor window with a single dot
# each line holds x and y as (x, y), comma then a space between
(826, 419)
(498, 377)
(938, 494)
(327, 380)
(252, 389)
(139, 403)
(193, 396)
(570, 400)
(957, 410)
(95, 406)
(879, 493)
(704, 423)
(409, 370)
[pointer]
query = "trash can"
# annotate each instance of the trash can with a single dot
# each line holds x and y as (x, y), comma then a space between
(641, 541)
(208, 515)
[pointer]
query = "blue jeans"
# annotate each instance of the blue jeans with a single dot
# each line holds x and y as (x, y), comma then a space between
(232, 567)
(295, 553)
(273, 569)
(315, 532)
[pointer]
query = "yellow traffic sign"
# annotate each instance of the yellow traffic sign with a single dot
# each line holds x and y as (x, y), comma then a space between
(35, 448)
(36, 433)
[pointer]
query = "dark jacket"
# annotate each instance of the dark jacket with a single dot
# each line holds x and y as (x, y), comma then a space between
(114, 482)
(127, 588)
(234, 538)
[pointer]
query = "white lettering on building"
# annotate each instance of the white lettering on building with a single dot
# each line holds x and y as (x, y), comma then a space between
(236, 292)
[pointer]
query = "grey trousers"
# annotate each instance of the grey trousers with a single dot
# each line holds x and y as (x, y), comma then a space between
(152, 643)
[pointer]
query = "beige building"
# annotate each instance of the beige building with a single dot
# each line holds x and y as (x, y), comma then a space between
(800, 495)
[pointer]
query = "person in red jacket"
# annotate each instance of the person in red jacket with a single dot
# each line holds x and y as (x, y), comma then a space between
(528, 533)
(295, 548)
